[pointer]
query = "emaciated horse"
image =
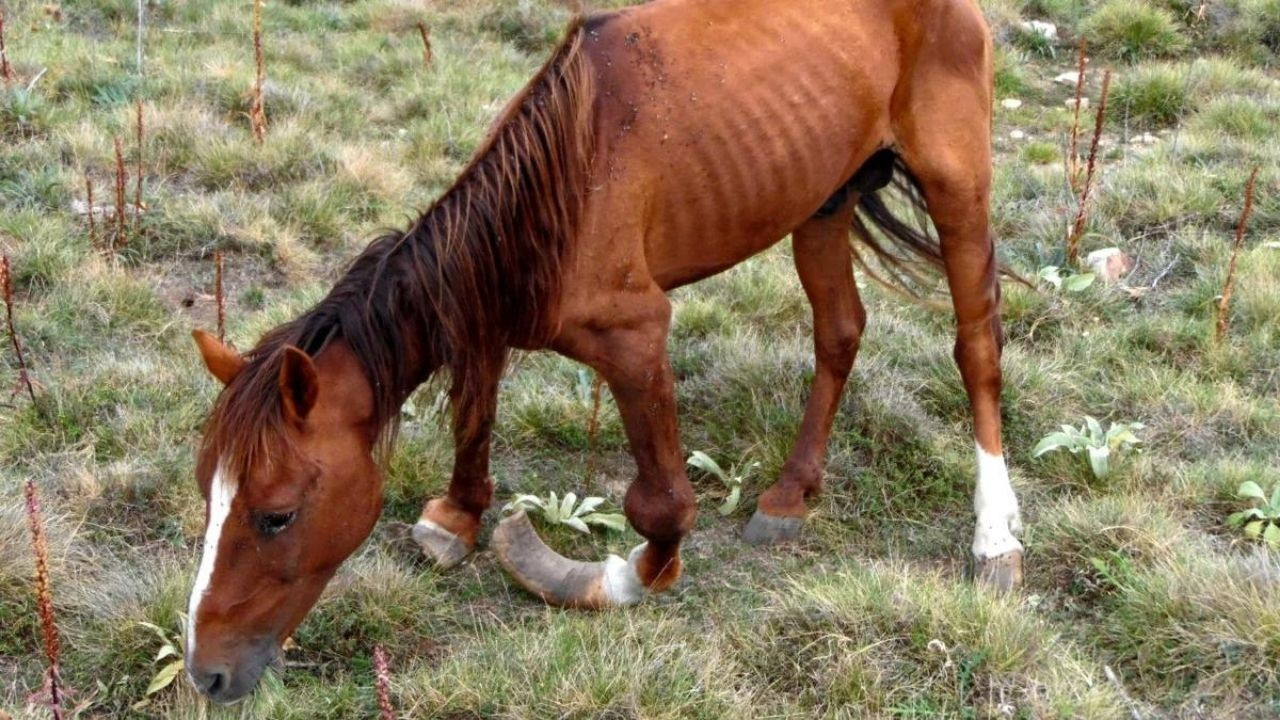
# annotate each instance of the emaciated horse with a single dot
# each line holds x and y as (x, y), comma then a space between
(658, 146)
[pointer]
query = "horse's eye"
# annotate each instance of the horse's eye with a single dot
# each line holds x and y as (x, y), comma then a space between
(274, 523)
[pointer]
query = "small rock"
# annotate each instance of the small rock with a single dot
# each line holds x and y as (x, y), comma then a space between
(1011, 103)
(1071, 103)
(1017, 135)
(1067, 78)
(1109, 264)
(1145, 139)
(1046, 30)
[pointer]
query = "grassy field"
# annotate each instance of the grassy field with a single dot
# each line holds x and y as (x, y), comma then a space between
(1139, 598)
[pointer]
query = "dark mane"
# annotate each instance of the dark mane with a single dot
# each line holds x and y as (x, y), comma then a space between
(479, 271)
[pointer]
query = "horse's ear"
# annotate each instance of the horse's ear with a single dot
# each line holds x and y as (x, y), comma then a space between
(299, 384)
(223, 362)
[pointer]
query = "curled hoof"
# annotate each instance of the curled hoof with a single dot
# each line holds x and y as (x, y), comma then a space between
(559, 581)
(1002, 572)
(441, 545)
(769, 530)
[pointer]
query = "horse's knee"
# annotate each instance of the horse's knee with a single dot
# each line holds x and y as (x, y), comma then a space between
(662, 513)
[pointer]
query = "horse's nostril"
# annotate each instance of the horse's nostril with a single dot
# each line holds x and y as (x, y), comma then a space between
(218, 682)
(209, 683)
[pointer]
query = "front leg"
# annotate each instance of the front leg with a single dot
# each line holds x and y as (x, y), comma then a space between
(629, 350)
(448, 526)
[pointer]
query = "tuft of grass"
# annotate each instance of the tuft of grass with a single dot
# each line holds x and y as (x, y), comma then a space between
(1195, 626)
(1238, 117)
(1133, 31)
(898, 641)
(1152, 96)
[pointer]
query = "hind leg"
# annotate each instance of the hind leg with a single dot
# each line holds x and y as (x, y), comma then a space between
(952, 160)
(824, 262)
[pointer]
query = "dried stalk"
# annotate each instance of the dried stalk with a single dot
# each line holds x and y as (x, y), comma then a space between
(383, 672)
(1082, 211)
(122, 179)
(219, 297)
(426, 43)
(93, 222)
(44, 599)
(1073, 160)
(142, 12)
(137, 187)
(257, 111)
(6, 285)
(1228, 287)
(6, 70)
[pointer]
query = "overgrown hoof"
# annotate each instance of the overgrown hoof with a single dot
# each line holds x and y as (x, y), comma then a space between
(769, 530)
(1002, 573)
(441, 545)
(557, 580)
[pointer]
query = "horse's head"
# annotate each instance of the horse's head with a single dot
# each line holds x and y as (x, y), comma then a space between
(292, 490)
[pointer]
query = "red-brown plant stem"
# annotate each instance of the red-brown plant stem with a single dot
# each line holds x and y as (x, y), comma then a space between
(122, 179)
(6, 70)
(426, 43)
(6, 285)
(1073, 162)
(1082, 212)
(93, 222)
(219, 297)
(1229, 286)
(383, 672)
(137, 188)
(44, 598)
(257, 111)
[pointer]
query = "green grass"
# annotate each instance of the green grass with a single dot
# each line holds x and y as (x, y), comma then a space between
(1133, 31)
(870, 614)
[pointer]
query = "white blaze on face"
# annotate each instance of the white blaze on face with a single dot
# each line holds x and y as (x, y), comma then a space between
(222, 490)
(996, 507)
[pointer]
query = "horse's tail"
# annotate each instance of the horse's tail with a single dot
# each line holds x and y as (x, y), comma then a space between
(892, 221)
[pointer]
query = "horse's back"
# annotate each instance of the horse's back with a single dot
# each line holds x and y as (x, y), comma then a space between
(725, 124)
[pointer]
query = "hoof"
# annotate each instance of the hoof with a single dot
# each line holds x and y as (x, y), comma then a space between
(1002, 573)
(441, 545)
(769, 530)
(560, 581)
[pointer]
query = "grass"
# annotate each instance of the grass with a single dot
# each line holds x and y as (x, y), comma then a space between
(1133, 31)
(870, 614)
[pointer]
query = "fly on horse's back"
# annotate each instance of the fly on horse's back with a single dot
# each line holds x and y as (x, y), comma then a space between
(659, 145)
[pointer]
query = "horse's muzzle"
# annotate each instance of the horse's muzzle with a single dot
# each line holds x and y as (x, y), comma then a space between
(225, 683)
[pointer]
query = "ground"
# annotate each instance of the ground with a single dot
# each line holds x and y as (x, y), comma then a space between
(1139, 600)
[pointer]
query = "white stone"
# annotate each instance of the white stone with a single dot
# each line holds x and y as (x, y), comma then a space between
(1109, 264)
(1071, 103)
(1017, 135)
(1067, 78)
(1046, 30)
(1011, 103)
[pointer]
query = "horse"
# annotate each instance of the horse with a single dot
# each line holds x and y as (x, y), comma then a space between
(659, 145)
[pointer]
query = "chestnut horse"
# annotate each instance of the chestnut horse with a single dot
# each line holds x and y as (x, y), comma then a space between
(658, 146)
